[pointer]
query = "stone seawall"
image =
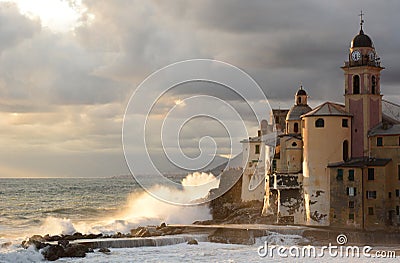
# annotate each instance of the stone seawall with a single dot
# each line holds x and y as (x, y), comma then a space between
(353, 237)
(247, 233)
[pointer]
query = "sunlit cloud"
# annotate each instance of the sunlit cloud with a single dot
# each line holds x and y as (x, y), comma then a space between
(57, 15)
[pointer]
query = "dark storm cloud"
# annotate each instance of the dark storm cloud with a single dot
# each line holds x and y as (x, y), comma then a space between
(305, 40)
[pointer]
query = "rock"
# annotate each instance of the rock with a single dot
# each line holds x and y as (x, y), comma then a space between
(78, 235)
(53, 252)
(145, 233)
(161, 226)
(92, 236)
(154, 232)
(6, 244)
(37, 244)
(69, 237)
(49, 238)
(37, 238)
(104, 250)
(166, 230)
(135, 231)
(192, 242)
(76, 250)
(63, 243)
(177, 231)
(120, 235)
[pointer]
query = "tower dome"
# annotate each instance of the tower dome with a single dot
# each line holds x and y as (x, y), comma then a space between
(301, 92)
(300, 106)
(361, 40)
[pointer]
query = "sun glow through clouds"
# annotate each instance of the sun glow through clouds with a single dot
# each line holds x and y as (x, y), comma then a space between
(57, 15)
(179, 102)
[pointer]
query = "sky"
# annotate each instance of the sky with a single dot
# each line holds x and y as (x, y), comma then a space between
(68, 68)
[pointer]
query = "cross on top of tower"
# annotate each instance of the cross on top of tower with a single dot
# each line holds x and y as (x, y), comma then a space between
(361, 19)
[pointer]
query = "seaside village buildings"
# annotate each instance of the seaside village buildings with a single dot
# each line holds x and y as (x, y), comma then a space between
(334, 165)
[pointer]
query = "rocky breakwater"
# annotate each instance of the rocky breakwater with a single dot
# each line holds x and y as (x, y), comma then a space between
(62, 248)
(153, 231)
(78, 244)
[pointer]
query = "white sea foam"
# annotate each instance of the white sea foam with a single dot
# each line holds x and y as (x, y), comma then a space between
(16, 254)
(143, 209)
(57, 226)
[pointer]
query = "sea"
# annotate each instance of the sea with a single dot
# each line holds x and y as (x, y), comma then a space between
(118, 204)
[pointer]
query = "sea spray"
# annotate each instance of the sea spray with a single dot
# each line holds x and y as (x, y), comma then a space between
(56, 226)
(142, 208)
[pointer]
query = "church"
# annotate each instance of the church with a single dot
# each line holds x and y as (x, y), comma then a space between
(337, 164)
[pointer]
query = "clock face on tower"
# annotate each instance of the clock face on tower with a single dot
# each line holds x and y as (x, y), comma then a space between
(356, 55)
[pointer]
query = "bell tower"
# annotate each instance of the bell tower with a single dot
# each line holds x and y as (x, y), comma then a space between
(363, 98)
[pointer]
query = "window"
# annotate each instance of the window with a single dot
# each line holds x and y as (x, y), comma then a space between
(397, 193)
(296, 127)
(299, 100)
(397, 210)
(379, 141)
(370, 211)
(356, 84)
(351, 175)
(351, 191)
(345, 123)
(294, 144)
(259, 133)
(351, 204)
(351, 216)
(274, 165)
(371, 194)
(339, 175)
(390, 194)
(345, 150)
(398, 171)
(373, 85)
(257, 149)
(319, 123)
(371, 174)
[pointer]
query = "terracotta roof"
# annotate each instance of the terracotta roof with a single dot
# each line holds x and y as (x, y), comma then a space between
(328, 109)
